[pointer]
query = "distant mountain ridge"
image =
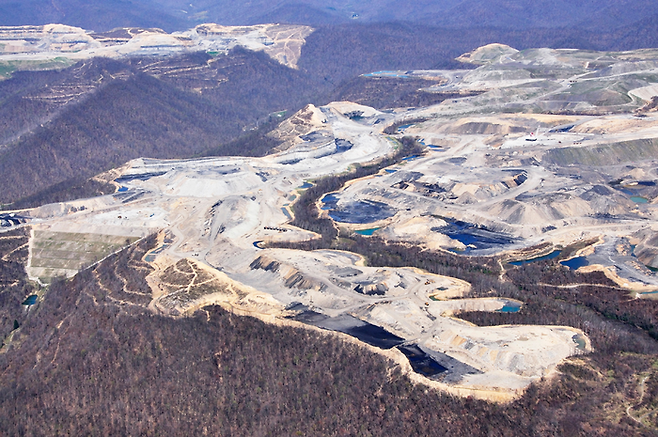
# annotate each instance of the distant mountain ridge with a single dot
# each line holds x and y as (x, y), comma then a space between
(208, 103)
(596, 15)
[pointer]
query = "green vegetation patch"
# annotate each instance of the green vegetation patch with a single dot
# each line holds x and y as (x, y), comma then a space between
(9, 67)
(71, 251)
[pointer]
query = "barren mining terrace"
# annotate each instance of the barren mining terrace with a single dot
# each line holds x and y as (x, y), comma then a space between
(491, 181)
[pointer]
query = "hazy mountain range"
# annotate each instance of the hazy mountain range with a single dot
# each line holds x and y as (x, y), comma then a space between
(598, 15)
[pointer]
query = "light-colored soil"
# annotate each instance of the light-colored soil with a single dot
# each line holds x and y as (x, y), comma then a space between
(56, 45)
(509, 176)
(65, 253)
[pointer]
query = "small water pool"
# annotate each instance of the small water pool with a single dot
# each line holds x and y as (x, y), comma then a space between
(551, 255)
(510, 308)
(390, 170)
(639, 199)
(395, 74)
(420, 361)
(358, 212)
(305, 185)
(122, 189)
(366, 232)
(580, 341)
(30, 300)
(150, 257)
(329, 201)
(286, 213)
(575, 263)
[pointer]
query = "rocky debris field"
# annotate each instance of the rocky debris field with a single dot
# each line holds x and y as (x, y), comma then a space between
(555, 149)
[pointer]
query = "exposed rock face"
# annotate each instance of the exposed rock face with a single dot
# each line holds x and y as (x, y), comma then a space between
(486, 54)
(647, 248)
(291, 277)
(282, 43)
(265, 263)
(188, 285)
(379, 289)
(307, 120)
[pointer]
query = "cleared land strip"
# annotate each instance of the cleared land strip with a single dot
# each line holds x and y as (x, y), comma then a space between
(63, 253)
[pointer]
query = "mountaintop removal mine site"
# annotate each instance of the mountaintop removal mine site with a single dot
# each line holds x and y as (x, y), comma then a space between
(537, 150)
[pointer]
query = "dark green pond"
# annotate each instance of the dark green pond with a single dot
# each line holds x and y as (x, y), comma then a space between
(30, 300)
(551, 255)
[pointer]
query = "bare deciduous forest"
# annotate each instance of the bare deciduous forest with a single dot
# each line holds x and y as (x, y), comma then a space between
(92, 360)
(140, 111)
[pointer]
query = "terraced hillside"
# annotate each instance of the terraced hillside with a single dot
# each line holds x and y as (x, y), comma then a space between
(99, 114)
(491, 246)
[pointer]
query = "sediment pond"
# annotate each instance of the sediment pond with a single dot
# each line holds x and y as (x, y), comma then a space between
(420, 361)
(474, 237)
(30, 300)
(364, 331)
(575, 263)
(359, 212)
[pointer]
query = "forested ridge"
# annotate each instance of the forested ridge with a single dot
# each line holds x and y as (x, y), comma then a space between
(59, 128)
(91, 359)
(121, 112)
(14, 284)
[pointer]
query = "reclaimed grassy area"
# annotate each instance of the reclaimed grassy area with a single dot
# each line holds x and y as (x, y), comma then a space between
(64, 253)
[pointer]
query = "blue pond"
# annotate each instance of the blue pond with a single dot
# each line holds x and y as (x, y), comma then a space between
(31, 300)
(510, 308)
(551, 255)
(387, 74)
(575, 263)
(329, 201)
(122, 189)
(150, 257)
(286, 213)
(639, 199)
(410, 158)
(626, 191)
(305, 186)
(580, 341)
(390, 170)
(366, 232)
